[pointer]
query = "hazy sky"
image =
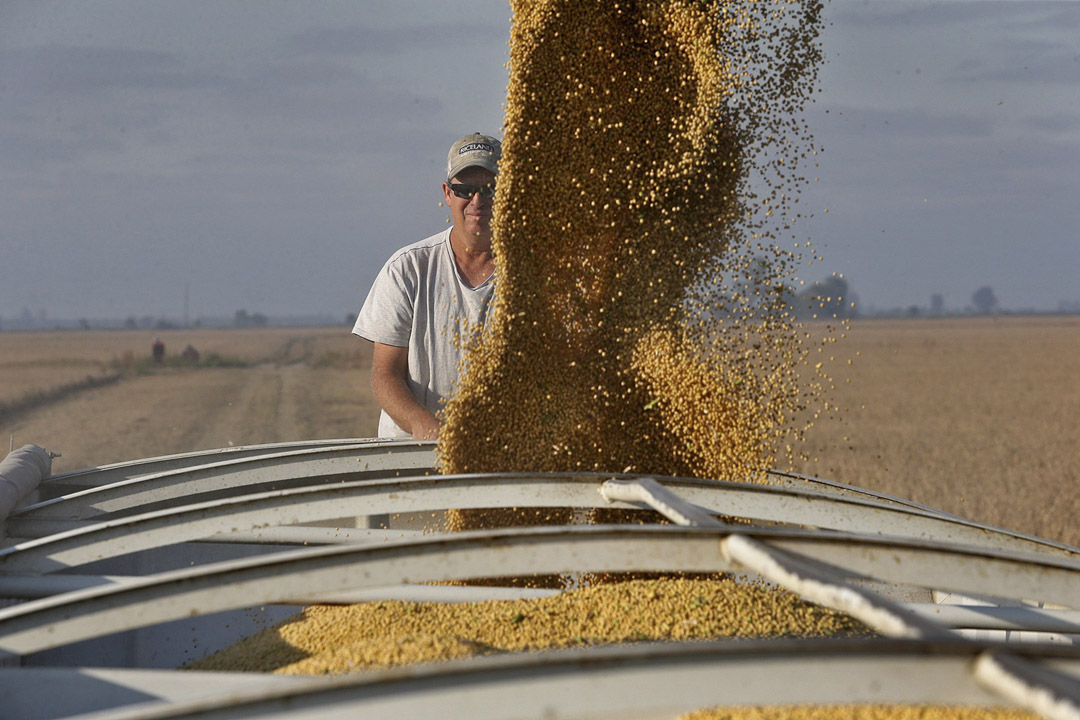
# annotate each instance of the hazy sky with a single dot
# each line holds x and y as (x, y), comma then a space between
(271, 154)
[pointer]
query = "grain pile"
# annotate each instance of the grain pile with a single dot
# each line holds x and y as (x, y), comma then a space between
(861, 712)
(338, 639)
(650, 166)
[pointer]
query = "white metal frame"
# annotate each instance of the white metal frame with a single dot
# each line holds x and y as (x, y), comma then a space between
(876, 557)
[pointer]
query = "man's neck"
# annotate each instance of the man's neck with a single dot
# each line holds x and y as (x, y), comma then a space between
(472, 255)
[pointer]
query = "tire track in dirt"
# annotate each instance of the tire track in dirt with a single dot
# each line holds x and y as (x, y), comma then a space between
(183, 411)
(291, 382)
(162, 414)
(264, 409)
(304, 389)
(144, 416)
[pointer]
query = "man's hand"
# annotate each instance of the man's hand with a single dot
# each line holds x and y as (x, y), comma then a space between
(425, 428)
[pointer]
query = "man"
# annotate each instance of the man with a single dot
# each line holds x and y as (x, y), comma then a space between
(428, 294)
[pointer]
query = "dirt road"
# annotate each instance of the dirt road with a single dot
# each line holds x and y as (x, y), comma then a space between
(174, 411)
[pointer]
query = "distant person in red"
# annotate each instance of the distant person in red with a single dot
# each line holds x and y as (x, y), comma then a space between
(159, 350)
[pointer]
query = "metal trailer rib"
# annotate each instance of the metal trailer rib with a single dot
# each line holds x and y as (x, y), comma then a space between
(813, 564)
(659, 498)
(968, 617)
(31, 693)
(313, 463)
(285, 577)
(814, 584)
(788, 571)
(278, 578)
(926, 564)
(646, 681)
(811, 508)
(827, 589)
(301, 467)
(423, 454)
(248, 514)
(33, 587)
(262, 493)
(108, 474)
(110, 537)
(781, 478)
(422, 457)
(992, 617)
(223, 479)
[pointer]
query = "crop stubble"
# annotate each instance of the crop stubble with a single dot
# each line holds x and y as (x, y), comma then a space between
(973, 415)
(275, 385)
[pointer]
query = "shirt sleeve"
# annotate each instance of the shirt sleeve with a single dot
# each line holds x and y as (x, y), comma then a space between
(387, 314)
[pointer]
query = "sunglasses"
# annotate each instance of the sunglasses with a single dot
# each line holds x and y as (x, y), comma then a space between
(466, 192)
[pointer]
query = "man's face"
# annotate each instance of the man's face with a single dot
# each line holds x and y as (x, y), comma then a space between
(472, 215)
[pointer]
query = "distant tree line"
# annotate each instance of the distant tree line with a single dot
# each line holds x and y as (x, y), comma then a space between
(830, 299)
(243, 320)
(984, 300)
(147, 322)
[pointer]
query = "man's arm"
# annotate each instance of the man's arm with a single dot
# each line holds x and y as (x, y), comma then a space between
(389, 373)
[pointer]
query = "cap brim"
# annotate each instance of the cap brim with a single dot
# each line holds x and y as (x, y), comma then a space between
(486, 164)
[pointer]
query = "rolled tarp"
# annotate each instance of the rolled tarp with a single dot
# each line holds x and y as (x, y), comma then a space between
(20, 474)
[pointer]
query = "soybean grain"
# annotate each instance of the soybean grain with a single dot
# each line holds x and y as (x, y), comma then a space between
(651, 164)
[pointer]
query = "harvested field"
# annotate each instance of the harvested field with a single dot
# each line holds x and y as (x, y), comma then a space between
(973, 415)
(249, 387)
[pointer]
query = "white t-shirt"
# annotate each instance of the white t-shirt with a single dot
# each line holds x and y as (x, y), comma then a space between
(420, 301)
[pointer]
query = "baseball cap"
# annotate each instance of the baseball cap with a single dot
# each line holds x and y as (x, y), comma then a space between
(476, 149)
